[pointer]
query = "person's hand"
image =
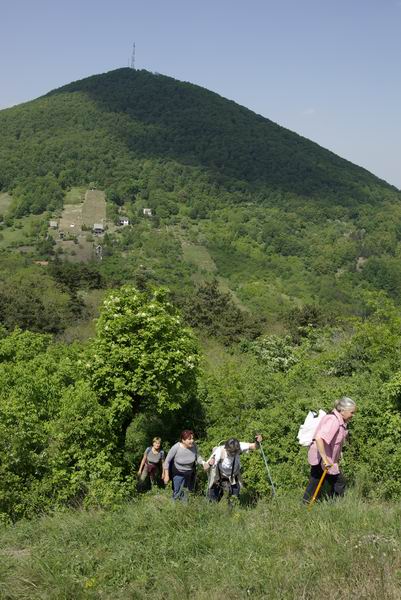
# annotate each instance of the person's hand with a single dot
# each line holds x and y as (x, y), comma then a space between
(166, 479)
(327, 464)
(208, 463)
(139, 472)
(212, 461)
(258, 438)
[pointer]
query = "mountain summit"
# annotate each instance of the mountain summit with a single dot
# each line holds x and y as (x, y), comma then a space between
(99, 128)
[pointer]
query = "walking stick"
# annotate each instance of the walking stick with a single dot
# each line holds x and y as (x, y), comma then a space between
(317, 490)
(267, 469)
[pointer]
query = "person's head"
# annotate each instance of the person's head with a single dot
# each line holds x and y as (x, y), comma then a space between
(347, 407)
(232, 446)
(187, 438)
(156, 443)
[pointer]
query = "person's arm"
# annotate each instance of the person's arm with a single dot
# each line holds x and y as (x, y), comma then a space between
(206, 464)
(209, 463)
(327, 429)
(143, 461)
(201, 461)
(322, 451)
(166, 465)
(255, 445)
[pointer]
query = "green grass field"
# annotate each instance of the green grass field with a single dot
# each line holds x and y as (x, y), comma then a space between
(94, 208)
(5, 201)
(199, 257)
(153, 548)
(75, 195)
(21, 234)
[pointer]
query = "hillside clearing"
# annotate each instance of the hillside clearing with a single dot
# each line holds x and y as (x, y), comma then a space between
(5, 201)
(71, 219)
(76, 195)
(198, 256)
(21, 234)
(94, 208)
(83, 211)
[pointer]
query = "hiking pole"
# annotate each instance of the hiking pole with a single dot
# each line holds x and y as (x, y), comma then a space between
(317, 490)
(267, 469)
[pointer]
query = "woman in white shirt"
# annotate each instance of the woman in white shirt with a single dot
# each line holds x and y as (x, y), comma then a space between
(225, 472)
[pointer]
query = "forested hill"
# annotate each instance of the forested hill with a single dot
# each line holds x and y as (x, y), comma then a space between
(282, 264)
(97, 129)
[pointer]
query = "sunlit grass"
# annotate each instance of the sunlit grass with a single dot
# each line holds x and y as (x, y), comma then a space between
(154, 548)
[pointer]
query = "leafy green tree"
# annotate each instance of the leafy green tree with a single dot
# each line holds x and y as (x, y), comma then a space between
(300, 320)
(277, 353)
(33, 377)
(143, 358)
(64, 410)
(30, 299)
(214, 312)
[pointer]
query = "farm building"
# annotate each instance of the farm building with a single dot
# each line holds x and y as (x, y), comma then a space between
(123, 221)
(53, 224)
(147, 212)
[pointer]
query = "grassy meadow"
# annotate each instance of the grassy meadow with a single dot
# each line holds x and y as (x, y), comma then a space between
(94, 208)
(155, 548)
(5, 201)
(76, 195)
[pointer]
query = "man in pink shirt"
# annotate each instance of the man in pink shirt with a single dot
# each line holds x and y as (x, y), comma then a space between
(325, 450)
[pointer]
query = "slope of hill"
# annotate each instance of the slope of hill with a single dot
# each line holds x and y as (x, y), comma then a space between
(282, 221)
(255, 230)
(100, 127)
(275, 551)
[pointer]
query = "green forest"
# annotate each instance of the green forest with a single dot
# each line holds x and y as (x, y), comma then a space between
(265, 283)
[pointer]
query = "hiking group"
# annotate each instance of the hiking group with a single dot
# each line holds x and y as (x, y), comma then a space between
(324, 435)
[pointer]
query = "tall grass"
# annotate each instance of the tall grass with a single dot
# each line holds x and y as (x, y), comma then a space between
(152, 548)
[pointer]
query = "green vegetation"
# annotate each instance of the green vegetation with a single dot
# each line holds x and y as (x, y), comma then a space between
(127, 121)
(154, 548)
(75, 195)
(5, 201)
(75, 419)
(64, 410)
(279, 221)
(44, 298)
(282, 260)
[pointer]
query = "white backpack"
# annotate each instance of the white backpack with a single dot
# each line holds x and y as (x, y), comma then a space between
(306, 432)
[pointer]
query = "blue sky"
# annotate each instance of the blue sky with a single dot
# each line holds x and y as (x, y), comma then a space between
(327, 69)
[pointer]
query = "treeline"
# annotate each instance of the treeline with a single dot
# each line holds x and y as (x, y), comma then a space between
(74, 420)
(44, 299)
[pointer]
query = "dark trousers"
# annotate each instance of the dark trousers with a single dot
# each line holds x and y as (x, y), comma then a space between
(215, 493)
(334, 484)
(182, 483)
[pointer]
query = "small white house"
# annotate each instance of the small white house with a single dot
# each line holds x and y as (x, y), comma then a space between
(53, 224)
(98, 228)
(123, 221)
(147, 212)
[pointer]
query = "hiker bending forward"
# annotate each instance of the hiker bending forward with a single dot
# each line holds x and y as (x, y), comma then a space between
(225, 473)
(180, 465)
(151, 466)
(325, 450)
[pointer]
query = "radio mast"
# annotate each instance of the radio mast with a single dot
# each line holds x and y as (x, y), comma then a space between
(133, 57)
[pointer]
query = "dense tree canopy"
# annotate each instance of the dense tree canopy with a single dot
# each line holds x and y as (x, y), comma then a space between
(64, 410)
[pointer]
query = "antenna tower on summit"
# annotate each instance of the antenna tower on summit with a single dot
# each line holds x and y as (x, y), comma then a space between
(133, 57)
